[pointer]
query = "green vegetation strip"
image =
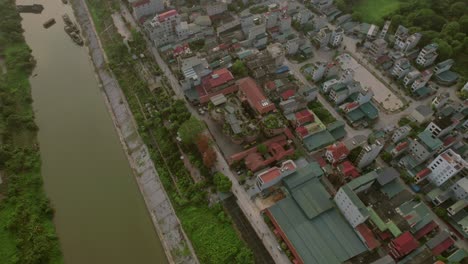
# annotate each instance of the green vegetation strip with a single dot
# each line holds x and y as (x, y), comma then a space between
(27, 234)
(209, 228)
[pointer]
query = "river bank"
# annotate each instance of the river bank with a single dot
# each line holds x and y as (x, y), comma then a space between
(162, 214)
(27, 234)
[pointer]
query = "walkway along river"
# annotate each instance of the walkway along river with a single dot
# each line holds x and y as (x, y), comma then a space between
(100, 214)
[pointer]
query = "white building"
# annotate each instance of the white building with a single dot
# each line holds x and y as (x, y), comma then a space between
(421, 81)
(441, 126)
(143, 8)
(162, 28)
(445, 166)
(401, 133)
(460, 189)
(214, 8)
(428, 55)
(411, 77)
(440, 100)
(401, 68)
(368, 154)
(318, 70)
(443, 66)
(336, 37)
(351, 206)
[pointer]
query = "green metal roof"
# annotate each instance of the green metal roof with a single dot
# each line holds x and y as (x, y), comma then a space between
(327, 238)
(363, 180)
(355, 200)
(375, 218)
(312, 198)
(458, 255)
(318, 140)
(393, 228)
(392, 189)
(335, 125)
(434, 193)
(302, 175)
(431, 142)
(416, 214)
(355, 115)
(369, 110)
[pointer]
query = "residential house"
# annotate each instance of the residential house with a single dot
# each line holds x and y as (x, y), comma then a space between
(419, 217)
(220, 81)
(368, 154)
(272, 176)
(421, 81)
(457, 207)
(336, 153)
(401, 68)
(401, 133)
(401, 34)
(402, 245)
(443, 66)
(193, 69)
(317, 70)
(341, 91)
(411, 77)
(422, 114)
(303, 16)
(440, 100)
(162, 28)
(441, 126)
(142, 8)
(440, 243)
(428, 55)
(445, 166)
(460, 189)
(214, 7)
(378, 48)
(421, 148)
(336, 37)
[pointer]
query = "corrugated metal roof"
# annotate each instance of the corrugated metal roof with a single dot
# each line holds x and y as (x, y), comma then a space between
(312, 198)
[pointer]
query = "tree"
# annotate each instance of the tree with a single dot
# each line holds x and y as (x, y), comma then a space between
(209, 158)
(190, 130)
(464, 24)
(458, 9)
(223, 184)
(245, 256)
(239, 69)
(445, 50)
(451, 28)
(262, 148)
(203, 143)
(387, 157)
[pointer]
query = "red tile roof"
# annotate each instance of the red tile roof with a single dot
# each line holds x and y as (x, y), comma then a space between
(338, 151)
(270, 85)
(442, 246)
(368, 236)
(403, 245)
(402, 146)
(423, 173)
(270, 174)
(166, 15)
(217, 78)
(351, 106)
(349, 170)
(425, 230)
(254, 95)
(288, 94)
(304, 116)
(302, 131)
(449, 140)
(140, 3)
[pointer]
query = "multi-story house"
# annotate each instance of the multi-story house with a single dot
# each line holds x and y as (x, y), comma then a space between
(440, 100)
(411, 42)
(445, 166)
(428, 55)
(214, 7)
(443, 66)
(317, 70)
(401, 35)
(162, 28)
(323, 36)
(460, 189)
(142, 8)
(368, 154)
(336, 153)
(401, 133)
(303, 16)
(421, 148)
(411, 77)
(341, 91)
(401, 68)
(378, 48)
(421, 81)
(351, 206)
(336, 37)
(441, 126)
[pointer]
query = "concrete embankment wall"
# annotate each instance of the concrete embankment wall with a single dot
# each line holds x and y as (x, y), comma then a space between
(165, 221)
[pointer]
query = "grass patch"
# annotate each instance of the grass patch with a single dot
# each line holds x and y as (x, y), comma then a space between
(373, 11)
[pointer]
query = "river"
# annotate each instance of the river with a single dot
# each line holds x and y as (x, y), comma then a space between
(100, 214)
